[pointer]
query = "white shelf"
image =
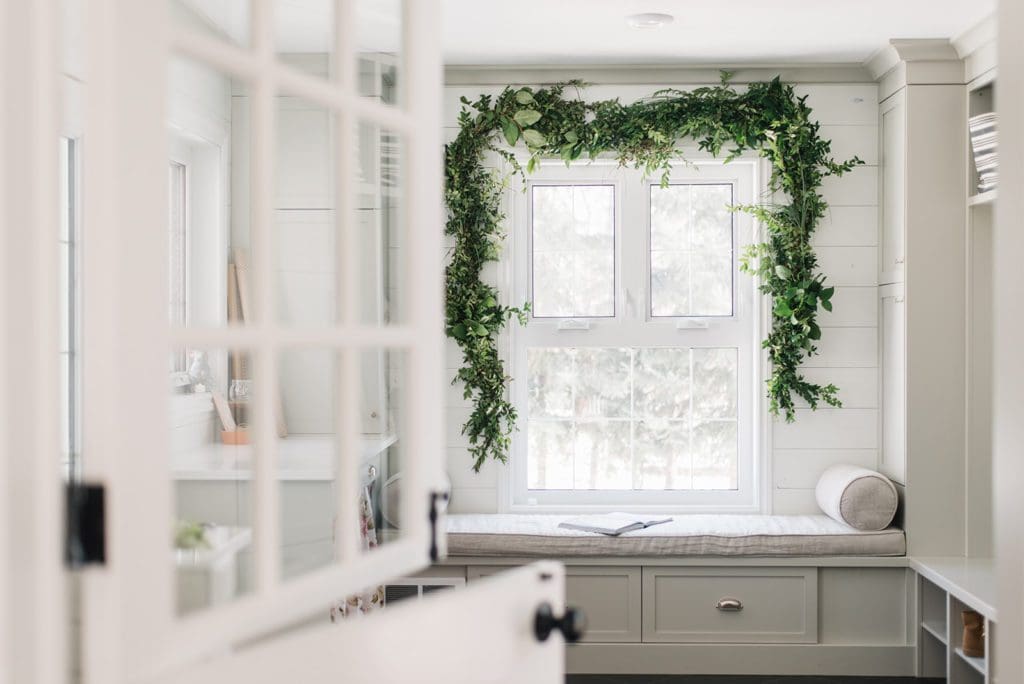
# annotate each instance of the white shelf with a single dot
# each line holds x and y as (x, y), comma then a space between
(936, 630)
(971, 580)
(987, 197)
(977, 663)
(299, 457)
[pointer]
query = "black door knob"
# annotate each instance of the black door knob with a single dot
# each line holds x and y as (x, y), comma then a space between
(572, 624)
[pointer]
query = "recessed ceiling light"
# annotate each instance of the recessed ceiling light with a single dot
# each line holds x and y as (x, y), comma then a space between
(649, 20)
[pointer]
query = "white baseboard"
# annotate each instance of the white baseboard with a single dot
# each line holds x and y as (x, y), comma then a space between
(738, 659)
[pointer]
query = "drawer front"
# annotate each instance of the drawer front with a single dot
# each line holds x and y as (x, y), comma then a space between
(609, 597)
(770, 605)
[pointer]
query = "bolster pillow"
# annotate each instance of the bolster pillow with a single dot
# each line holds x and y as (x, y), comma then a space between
(861, 498)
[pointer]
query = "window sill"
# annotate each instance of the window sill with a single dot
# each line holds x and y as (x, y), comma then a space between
(679, 509)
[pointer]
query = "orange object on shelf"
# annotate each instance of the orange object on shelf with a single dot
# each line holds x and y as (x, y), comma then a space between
(234, 436)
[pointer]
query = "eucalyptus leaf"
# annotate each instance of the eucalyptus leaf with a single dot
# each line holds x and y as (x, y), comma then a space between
(524, 96)
(510, 131)
(526, 117)
(534, 138)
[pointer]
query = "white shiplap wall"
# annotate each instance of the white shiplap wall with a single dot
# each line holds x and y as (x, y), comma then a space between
(847, 244)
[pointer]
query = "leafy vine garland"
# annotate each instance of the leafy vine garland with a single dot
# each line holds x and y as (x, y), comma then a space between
(766, 117)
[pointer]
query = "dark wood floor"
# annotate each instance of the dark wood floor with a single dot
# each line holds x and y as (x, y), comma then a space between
(736, 679)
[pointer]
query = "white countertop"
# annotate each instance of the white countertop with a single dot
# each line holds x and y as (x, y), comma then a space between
(971, 580)
(299, 457)
(222, 543)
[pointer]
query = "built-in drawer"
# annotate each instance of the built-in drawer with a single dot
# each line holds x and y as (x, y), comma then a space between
(730, 605)
(609, 597)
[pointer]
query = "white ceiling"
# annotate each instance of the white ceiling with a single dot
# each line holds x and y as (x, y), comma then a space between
(704, 31)
(557, 32)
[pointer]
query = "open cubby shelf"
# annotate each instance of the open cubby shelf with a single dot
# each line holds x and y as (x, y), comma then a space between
(946, 588)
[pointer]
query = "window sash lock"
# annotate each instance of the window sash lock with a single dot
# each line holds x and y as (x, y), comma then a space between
(573, 324)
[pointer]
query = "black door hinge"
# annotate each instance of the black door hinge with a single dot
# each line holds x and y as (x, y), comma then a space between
(435, 497)
(85, 536)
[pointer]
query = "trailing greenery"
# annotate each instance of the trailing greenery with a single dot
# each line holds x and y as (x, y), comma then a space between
(554, 121)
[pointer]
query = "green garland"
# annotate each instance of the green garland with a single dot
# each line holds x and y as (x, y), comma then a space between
(767, 117)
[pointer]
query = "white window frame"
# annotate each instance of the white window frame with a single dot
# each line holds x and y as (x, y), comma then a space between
(632, 293)
(182, 166)
(70, 357)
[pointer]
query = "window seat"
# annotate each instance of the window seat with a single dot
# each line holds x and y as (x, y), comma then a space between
(535, 535)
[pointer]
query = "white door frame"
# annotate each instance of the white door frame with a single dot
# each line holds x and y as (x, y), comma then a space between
(33, 615)
(1008, 283)
(130, 630)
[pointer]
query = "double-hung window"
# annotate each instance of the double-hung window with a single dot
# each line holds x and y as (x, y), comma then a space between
(635, 375)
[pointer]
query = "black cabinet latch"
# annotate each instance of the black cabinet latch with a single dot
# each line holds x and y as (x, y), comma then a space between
(435, 497)
(85, 531)
(572, 624)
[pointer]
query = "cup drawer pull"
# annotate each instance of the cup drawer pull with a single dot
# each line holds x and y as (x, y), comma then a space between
(729, 605)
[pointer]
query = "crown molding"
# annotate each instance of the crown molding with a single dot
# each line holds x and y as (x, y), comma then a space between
(648, 74)
(906, 62)
(904, 50)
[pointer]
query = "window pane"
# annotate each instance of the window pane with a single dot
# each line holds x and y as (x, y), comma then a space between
(662, 450)
(714, 380)
(714, 455)
(551, 449)
(662, 378)
(602, 378)
(573, 258)
(691, 255)
(650, 418)
(550, 382)
(603, 459)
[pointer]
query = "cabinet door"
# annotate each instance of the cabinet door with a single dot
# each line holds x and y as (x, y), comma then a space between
(893, 459)
(892, 125)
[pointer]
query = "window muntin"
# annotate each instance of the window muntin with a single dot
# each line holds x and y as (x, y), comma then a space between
(691, 250)
(627, 440)
(573, 251)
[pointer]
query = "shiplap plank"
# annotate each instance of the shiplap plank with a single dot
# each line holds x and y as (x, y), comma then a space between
(856, 266)
(846, 348)
(453, 393)
(858, 387)
(452, 105)
(801, 468)
(457, 417)
(848, 226)
(794, 502)
(479, 500)
(461, 471)
(828, 429)
(841, 103)
(853, 141)
(856, 188)
(852, 307)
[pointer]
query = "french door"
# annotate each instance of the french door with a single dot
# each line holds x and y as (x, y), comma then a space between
(289, 428)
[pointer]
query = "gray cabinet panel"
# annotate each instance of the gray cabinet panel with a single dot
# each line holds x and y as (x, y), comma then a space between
(778, 605)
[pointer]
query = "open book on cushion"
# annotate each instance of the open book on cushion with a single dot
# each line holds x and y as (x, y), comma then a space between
(611, 524)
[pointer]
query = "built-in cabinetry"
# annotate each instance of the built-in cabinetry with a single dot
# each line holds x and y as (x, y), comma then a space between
(922, 304)
(664, 615)
(981, 93)
(946, 588)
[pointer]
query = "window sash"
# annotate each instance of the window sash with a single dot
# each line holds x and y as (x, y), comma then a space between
(634, 326)
(177, 235)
